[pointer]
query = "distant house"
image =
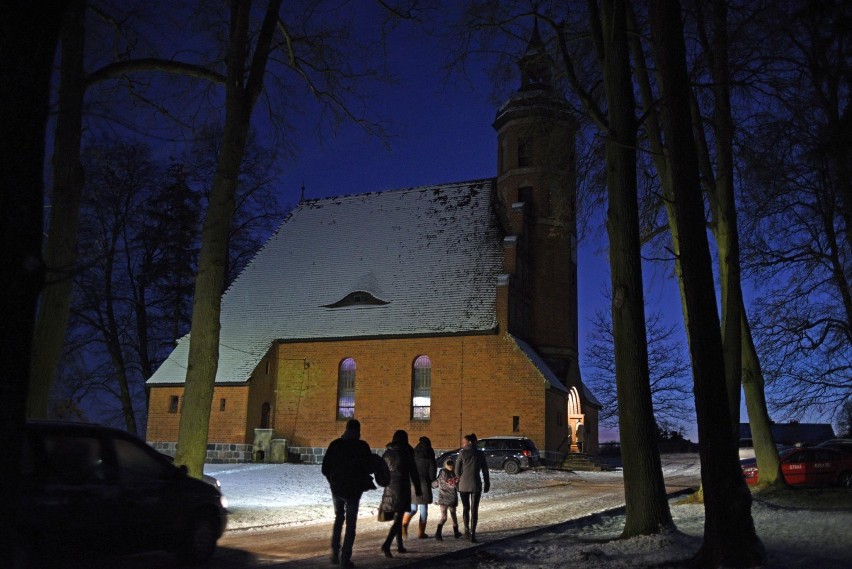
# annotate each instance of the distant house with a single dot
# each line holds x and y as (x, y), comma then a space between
(792, 433)
(442, 309)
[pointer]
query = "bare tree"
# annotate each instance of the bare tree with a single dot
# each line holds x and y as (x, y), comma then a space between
(711, 75)
(729, 535)
(75, 83)
(302, 43)
(594, 62)
(245, 79)
(668, 368)
(797, 196)
(139, 246)
(122, 177)
(256, 207)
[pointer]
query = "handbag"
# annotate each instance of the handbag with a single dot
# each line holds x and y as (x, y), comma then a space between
(385, 516)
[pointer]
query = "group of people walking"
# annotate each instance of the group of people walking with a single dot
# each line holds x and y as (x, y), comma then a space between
(414, 482)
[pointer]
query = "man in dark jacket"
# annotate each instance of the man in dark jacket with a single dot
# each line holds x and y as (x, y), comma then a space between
(347, 465)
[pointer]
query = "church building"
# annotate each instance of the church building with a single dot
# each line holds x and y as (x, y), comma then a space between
(442, 310)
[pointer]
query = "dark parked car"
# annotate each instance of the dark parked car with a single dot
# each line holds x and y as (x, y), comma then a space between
(807, 466)
(91, 491)
(844, 445)
(509, 453)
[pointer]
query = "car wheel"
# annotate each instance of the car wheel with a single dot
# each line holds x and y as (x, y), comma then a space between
(199, 541)
(512, 467)
(845, 479)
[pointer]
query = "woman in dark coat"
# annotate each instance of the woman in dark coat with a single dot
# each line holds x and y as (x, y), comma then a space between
(427, 466)
(472, 470)
(399, 457)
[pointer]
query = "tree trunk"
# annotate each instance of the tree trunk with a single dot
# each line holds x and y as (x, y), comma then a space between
(647, 509)
(729, 535)
(723, 203)
(113, 342)
(742, 366)
(30, 31)
(204, 341)
(60, 250)
(241, 93)
(754, 389)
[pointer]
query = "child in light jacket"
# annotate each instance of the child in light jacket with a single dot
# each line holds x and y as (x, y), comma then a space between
(448, 498)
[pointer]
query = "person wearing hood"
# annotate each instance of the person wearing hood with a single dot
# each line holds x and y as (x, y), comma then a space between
(448, 498)
(347, 465)
(396, 499)
(424, 458)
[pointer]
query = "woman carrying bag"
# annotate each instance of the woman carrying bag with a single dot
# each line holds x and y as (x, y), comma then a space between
(396, 500)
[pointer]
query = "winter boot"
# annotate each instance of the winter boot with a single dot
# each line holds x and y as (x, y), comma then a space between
(456, 533)
(406, 519)
(438, 532)
(421, 530)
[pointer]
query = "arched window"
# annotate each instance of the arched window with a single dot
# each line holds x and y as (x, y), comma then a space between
(421, 389)
(346, 389)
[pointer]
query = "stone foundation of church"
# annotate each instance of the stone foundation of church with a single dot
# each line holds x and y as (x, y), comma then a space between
(217, 453)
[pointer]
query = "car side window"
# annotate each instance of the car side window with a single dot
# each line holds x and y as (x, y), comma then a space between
(74, 460)
(823, 456)
(803, 456)
(135, 463)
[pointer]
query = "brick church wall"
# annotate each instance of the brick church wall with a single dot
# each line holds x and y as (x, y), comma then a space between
(480, 383)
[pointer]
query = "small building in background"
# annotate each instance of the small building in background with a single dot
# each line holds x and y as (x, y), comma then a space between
(792, 433)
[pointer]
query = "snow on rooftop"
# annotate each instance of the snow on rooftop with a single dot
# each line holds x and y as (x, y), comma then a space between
(431, 253)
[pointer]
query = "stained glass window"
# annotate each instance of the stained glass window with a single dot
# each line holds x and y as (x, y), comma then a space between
(346, 389)
(421, 389)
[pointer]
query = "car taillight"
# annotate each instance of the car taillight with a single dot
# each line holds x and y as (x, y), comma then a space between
(527, 453)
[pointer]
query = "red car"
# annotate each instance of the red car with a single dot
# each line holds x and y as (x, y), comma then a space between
(808, 466)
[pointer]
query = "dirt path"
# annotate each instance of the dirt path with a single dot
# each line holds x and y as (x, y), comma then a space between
(501, 517)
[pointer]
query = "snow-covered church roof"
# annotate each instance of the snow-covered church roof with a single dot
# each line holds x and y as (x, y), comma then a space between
(416, 261)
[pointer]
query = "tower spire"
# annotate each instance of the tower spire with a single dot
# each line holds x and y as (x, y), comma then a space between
(536, 64)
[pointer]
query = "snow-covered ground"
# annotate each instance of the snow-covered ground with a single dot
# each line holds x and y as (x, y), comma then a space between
(264, 495)
(800, 529)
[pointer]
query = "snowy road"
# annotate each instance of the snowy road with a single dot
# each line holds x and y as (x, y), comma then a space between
(281, 518)
(524, 502)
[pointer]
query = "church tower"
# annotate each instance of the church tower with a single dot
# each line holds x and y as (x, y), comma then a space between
(536, 202)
